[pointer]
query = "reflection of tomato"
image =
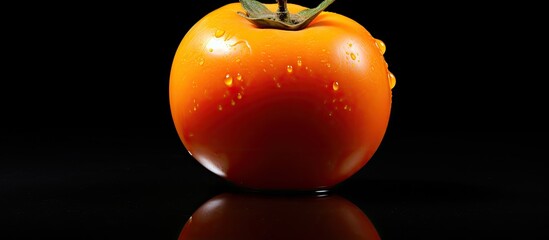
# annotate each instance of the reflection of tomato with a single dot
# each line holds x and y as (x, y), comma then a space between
(278, 109)
(251, 217)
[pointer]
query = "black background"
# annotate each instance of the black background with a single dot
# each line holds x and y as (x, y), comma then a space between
(88, 149)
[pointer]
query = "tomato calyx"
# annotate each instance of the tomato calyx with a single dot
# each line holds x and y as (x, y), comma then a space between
(262, 17)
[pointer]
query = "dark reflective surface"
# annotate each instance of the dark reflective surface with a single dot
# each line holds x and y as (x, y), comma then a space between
(416, 188)
(245, 216)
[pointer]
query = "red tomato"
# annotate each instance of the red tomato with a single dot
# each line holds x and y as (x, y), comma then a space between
(251, 217)
(276, 109)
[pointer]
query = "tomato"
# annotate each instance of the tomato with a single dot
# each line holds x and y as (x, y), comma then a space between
(250, 217)
(275, 109)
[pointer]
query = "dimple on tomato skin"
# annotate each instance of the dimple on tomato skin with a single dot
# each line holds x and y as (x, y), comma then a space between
(276, 109)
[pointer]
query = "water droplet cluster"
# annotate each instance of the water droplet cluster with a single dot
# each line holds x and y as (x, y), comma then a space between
(234, 92)
(390, 76)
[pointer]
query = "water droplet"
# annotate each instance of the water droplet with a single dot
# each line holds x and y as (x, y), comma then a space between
(228, 80)
(233, 102)
(238, 77)
(194, 108)
(346, 107)
(290, 69)
(392, 80)
(201, 61)
(210, 49)
(239, 96)
(335, 86)
(299, 62)
(219, 107)
(381, 45)
(219, 33)
(353, 56)
(275, 80)
(237, 60)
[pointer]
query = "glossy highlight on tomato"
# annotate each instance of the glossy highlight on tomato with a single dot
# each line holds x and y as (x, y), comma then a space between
(273, 109)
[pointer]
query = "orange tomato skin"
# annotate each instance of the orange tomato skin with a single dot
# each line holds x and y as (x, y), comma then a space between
(275, 109)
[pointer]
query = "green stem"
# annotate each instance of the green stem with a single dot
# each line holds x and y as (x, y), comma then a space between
(262, 17)
(282, 12)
